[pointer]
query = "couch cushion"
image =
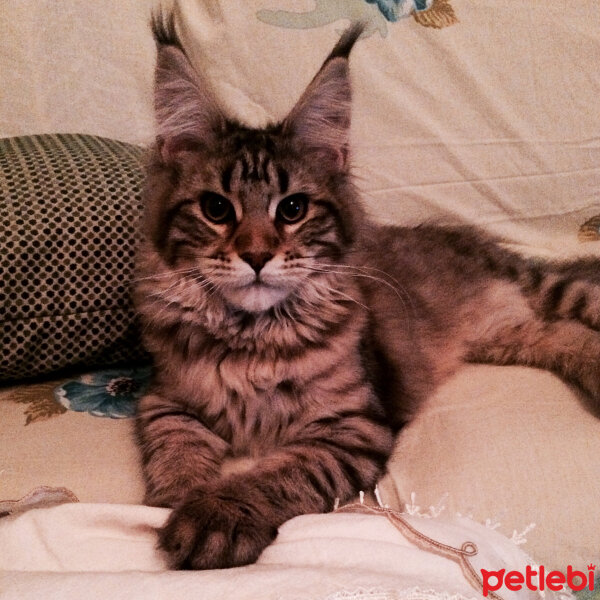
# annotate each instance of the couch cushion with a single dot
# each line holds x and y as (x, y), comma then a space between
(510, 446)
(69, 212)
(513, 446)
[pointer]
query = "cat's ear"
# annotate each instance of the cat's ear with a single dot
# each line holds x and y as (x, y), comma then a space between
(187, 115)
(320, 120)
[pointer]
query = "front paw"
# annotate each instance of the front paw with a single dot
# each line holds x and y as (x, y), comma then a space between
(213, 529)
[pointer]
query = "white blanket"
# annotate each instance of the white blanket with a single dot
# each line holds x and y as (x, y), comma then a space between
(107, 551)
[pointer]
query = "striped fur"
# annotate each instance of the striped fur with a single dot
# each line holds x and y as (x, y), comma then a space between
(292, 337)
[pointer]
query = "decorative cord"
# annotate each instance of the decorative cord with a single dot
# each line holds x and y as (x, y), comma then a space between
(460, 555)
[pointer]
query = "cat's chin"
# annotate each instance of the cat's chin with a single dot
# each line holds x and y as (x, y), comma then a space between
(255, 298)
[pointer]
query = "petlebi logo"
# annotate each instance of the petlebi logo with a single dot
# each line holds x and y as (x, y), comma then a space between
(537, 579)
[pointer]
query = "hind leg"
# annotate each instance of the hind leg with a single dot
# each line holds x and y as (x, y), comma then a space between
(566, 347)
(559, 329)
(565, 291)
(515, 331)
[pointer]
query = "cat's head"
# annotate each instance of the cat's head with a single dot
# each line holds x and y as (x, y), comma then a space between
(257, 215)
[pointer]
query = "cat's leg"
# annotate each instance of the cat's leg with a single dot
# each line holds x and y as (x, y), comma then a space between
(517, 331)
(230, 522)
(178, 452)
(567, 291)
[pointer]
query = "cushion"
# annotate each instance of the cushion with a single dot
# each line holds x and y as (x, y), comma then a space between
(511, 446)
(69, 213)
(490, 120)
(100, 551)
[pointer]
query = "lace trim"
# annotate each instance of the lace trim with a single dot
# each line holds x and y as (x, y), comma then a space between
(460, 555)
(414, 593)
(518, 537)
(40, 497)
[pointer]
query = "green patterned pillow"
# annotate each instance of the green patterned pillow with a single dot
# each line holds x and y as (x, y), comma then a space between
(69, 212)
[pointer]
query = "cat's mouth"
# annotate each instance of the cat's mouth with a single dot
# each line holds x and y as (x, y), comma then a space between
(255, 296)
(258, 283)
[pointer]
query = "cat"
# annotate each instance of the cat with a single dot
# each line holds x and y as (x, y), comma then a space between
(293, 337)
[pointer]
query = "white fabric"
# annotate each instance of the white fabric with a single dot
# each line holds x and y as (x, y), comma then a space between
(76, 66)
(101, 551)
(492, 120)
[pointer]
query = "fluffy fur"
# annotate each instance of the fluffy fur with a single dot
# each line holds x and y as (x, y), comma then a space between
(291, 336)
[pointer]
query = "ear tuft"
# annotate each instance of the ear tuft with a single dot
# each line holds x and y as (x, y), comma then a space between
(320, 120)
(187, 116)
(163, 29)
(347, 41)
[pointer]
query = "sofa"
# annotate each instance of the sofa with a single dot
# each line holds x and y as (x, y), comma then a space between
(482, 113)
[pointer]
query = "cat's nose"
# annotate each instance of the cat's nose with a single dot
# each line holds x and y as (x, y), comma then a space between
(257, 260)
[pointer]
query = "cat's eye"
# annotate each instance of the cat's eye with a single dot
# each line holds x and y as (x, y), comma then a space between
(216, 208)
(293, 208)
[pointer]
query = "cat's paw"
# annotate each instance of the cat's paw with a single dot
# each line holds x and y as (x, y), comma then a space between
(215, 530)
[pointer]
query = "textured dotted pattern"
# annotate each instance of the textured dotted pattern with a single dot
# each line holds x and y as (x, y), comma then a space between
(69, 214)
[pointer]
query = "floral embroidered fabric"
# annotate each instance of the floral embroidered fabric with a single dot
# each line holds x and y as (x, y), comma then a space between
(110, 393)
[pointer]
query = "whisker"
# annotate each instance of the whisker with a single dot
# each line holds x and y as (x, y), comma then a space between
(165, 274)
(362, 268)
(403, 296)
(342, 294)
(357, 271)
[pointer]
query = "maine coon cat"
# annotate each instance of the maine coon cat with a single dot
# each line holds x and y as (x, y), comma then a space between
(292, 337)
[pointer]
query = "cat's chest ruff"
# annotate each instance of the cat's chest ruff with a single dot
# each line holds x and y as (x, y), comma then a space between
(242, 374)
(251, 394)
(253, 360)
(248, 397)
(245, 373)
(253, 401)
(237, 382)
